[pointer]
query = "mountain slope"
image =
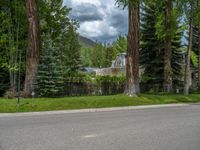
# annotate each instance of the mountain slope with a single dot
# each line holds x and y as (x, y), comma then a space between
(85, 42)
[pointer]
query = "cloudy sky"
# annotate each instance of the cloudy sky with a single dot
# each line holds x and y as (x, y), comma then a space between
(99, 20)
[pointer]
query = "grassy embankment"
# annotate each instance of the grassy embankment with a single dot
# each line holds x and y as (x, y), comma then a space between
(67, 103)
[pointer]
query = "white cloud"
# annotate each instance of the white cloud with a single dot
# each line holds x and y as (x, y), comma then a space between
(97, 29)
(77, 2)
(99, 20)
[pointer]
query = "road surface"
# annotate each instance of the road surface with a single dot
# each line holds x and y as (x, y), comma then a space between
(174, 128)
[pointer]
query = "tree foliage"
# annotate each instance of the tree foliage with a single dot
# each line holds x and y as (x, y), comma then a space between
(50, 81)
(54, 22)
(152, 49)
(13, 42)
(119, 46)
(60, 49)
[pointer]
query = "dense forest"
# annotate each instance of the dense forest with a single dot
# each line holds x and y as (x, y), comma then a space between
(36, 44)
(155, 28)
(40, 46)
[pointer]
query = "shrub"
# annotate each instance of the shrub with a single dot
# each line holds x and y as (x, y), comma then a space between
(111, 84)
(10, 94)
(78, 77)
(84, 84)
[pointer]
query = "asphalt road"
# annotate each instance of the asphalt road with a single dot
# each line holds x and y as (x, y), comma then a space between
(176, 128)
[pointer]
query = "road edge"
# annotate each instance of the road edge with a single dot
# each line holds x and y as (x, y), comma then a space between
(92, 110)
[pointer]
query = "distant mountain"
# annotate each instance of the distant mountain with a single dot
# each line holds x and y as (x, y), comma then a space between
(85, 42)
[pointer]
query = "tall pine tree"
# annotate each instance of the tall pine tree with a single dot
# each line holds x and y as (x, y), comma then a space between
(71, 52)
(177, 60)
(50, 74)
(55, 19)
(152, 50)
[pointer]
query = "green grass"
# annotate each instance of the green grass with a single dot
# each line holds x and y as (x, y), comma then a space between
(67, 103)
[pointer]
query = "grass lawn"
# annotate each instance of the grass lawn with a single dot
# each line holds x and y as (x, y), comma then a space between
(47, 104)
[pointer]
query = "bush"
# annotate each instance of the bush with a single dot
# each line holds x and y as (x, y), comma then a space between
(10, 94)
(78, 84)
(83, 84)
(111, 79)
(24, 94)
(78, 77)
(111, 84)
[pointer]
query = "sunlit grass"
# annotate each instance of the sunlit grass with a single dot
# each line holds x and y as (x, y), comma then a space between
(67, 103)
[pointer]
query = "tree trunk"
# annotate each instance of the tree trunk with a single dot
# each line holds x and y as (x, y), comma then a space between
(32, 58)
(168, 48)
(199, 62)
(132, 63)
(187, 66)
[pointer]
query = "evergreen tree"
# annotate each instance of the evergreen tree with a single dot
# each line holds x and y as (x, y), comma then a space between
(72, 53)
(50, 74)
(177, 58)
(55, 20)
(108, 56)
(101, 55)
(97, 55)
(152, 50)
(120, 46)
(85, 56)
(60, 49)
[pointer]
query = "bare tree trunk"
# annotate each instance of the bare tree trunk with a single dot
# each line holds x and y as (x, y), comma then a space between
(132, 63)
(32, 58)
(187, 66)
(199, 61)
(168, 48)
